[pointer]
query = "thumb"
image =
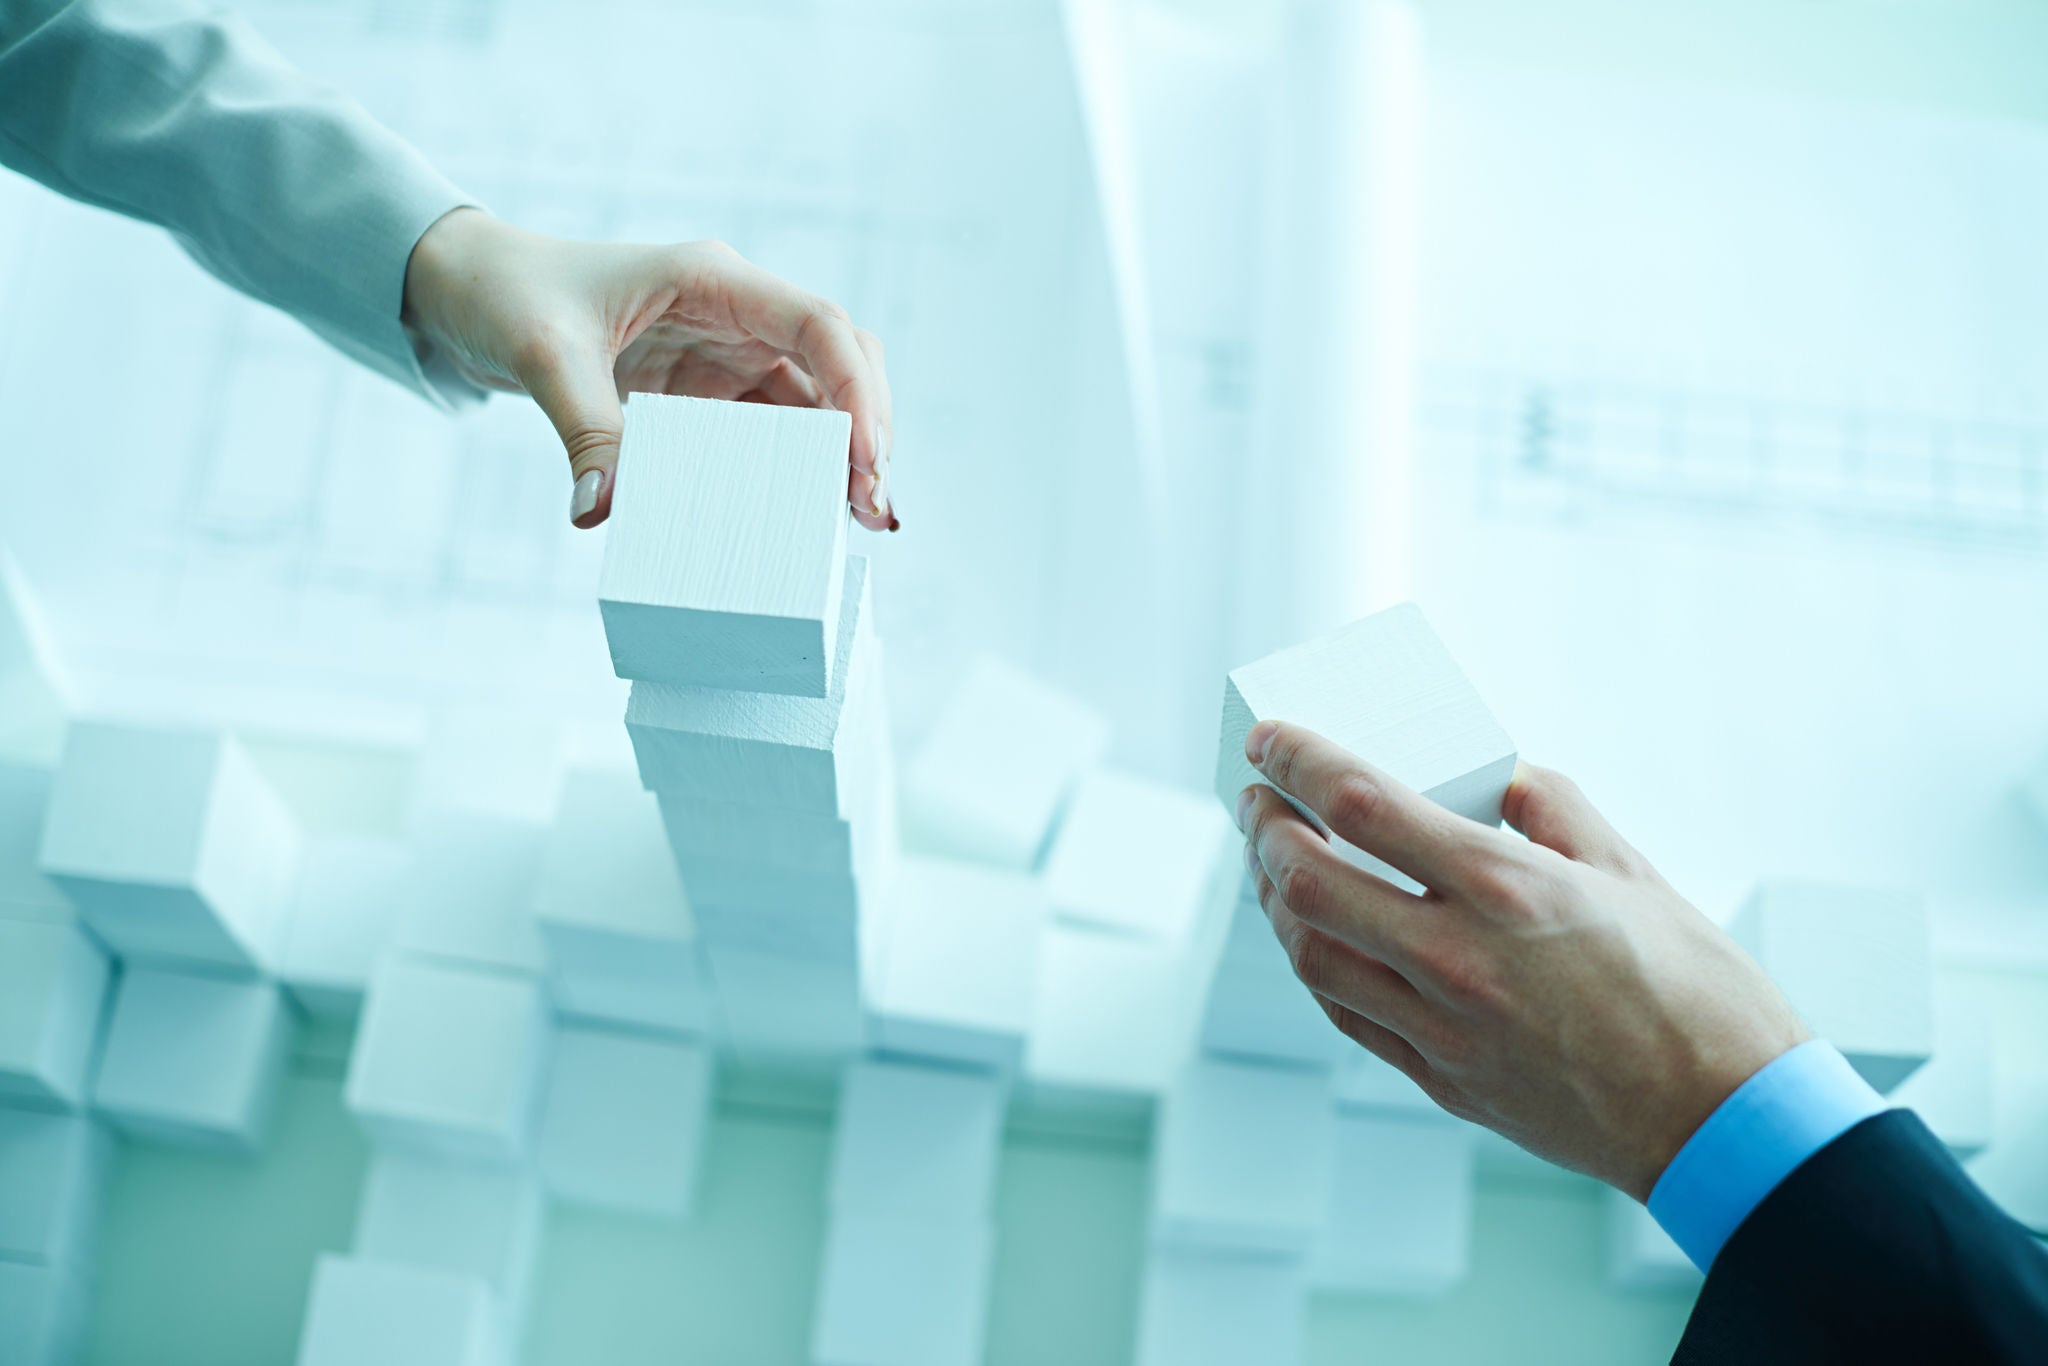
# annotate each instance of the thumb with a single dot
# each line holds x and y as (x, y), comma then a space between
(574, 386)
(1549, 808)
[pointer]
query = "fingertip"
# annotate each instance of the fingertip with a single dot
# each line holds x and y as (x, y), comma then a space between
(1259, 741)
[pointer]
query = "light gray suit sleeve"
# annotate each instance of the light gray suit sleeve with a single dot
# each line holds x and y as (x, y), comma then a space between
(275, 183)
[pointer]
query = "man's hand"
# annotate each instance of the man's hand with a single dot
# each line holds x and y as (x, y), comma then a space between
(578, 324)
(1553, 989)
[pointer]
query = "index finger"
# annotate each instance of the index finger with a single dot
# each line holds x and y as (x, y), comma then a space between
(822, 338)
(1368, 809)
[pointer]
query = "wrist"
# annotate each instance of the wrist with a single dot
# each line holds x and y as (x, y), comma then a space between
(443, 260)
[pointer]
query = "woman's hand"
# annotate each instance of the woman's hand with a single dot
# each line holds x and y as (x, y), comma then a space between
(578, 324)
(1554, 989)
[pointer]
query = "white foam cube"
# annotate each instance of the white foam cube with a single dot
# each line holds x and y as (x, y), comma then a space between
(1258, 1008)
(32, 690)
(1242, 1158)
(1640, 1254)
(1114, 1013)
(902, 1292)
(1139, 857)
(53, 1172)
(172, 845)
(705, 832)
(1857, 966)
(995, 771)
(657, 984)
(469, 893)
(775, 1009)
(1218, 1309)
(960, 963)
(343, 918)
(448, 1060)
(1400, 1218)
(364, 1311)
(456, 1217)
(43, 1314)
(1954, 1092)
(625, 1122)
(53, 981)
(916, 1142)
(194, 1061)
(725, 559)
(1386, 689)
(25, 892)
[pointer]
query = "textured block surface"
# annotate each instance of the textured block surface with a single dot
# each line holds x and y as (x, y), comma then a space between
(192, 1060)
(725, 557)
(625, 1122)
(1140, 857)
(960, 967)
(363, 1311)
(902, 1291)
(1215, 1309)
(916, 1143)
(1400, 1214)
(53, 980)
(1215, 1183)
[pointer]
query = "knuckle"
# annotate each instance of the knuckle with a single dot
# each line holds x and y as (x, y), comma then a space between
(541, 351)
(1357, 801)
(713, 246)
(1301, 887)
(1309, 955)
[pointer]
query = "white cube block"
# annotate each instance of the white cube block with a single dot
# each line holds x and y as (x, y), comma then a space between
(53, 982)
(606, 864)
(487, 761)
(788, 927)
(816, 755)
(1258, 1008)
(194, 1061)
(916, 1142)
(363, 1311)
(43, 1314)
(604, 978)
(1954, 1092)
(448, 1060)
(1640, 1254)
(25, 892)
(1219, 1182)
(343, 918)
(32, 687)
(1857, 966)
(1400, 1216)
(725, 558)
(996, 769)
(172, 845)
(703, 832)
(902, 1292)
(469, 892)
(1364, 1085)
(772, 1009)
(1386, 689)
(53, 1173)
(1139, 857)
(959, 977)
(625, 1122)
(456, 1217)
(1218, 1309)
(1114, 1013)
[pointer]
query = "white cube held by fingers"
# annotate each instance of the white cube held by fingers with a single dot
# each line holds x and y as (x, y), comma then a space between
(194, 1061)
(726, 554)
(1218, 1183)
(53, 978)
(370, 1311)
(625, 1122)
(1400, 1217)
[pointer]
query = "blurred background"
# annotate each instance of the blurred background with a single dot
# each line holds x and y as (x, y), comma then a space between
(1687, 363)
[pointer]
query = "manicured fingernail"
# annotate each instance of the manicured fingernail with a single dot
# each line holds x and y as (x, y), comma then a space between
(583, 501)
(895, 523)
(1244, 807)
(1260, 740)
(878, 497)
(881, 448)
(1251, 858)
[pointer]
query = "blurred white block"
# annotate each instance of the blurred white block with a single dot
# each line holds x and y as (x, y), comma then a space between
(1139, 857)
(959, 978)
(490, 762)
(24, 890)
(819, 756)
(775, 1009)
(193, 1061)
(172, 845)
(43, 1314)
(658, 984)
(32, 688)
(455, 1217)
(1364, 1085)
(625, 1122)
(1855, 963)
(1386, 689)
(363, 1312)
(1258, 1008)
(902, 1292)
(2034, 789)
(725, 557)
(344, 916)
(789, 926)
(448, 1060)
(1114, 1013)
(1215, 1309)
(53, 1172)
(1954, 1092)
(916, 1142)
(1640, 1254)
(1399, 1221)
(469, 894)
(704, 832)
(1242, 1157)
(53, 981)
(996, 769)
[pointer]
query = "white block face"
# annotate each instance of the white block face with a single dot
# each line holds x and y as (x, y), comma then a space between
(1211, 1309)
(1857, 966)
(1215, 1185)
(906, 1292)
(960, 963)
(194, 1061)
(343, 918)
(916, 1143)
(725, 559)
(606, 863)
(1955, 1092)
(1138, 857)
(32, 705)
(53, 1171)
(998, 766)
(772, 1009)
(448, 1060)
(364, 1311)
(793, 927)
(1400, 1217)
(24, 892)
(501, 764)
(626, 1122)
(1364, 1085)
(455, 1217)
(1257, 1008)
(469, 893)
(1386, 689)
(42, 1314)
(600, 977)
(708, 834)
(172, 845)
(53, 978)
(1114, 1013)
(1640, 1254)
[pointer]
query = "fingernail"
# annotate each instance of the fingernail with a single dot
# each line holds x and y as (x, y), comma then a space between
(583, 500)
(895, 523)
(881, 447)
(1260, 740)
(878, 497)
(1251, 859)
(1244, 807)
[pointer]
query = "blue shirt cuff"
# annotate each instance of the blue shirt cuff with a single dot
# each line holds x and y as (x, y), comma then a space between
(1793, 1107)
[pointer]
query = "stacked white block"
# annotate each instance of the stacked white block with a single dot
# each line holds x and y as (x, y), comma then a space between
(194, 1061)
(1640, 1254)
(1242, 1159)
(908, 1245)
(32, 692)
(992, 776)
(1855, 963)
(363, 1311)
(53, 980)
(1399, 1221)
(467, 1220)
(1220, 1309)
(625, 1122)
(344, 916)
(1138, 857)
(1954, 1093)
(959, 975)
(172, 845)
